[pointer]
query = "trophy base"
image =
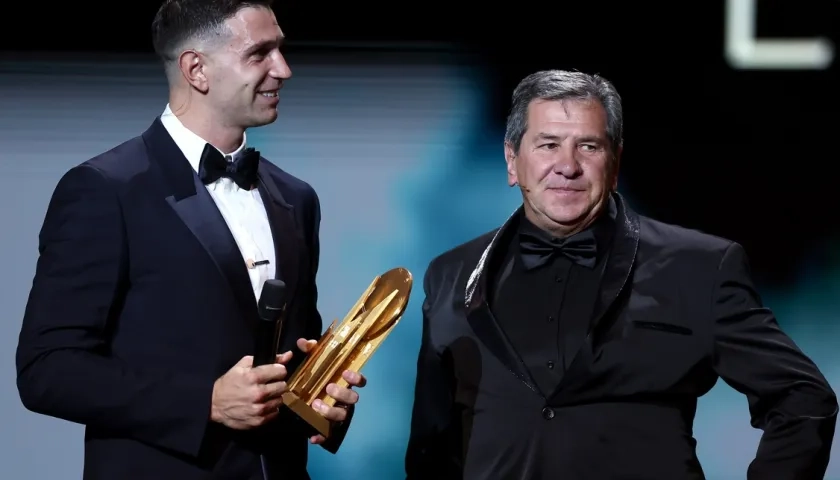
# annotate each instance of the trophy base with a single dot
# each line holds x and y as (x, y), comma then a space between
(307, 413)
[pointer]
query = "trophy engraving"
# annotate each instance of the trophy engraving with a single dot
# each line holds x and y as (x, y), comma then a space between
(348, 346)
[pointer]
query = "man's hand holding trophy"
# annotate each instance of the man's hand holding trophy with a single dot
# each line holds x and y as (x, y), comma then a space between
(323, 383)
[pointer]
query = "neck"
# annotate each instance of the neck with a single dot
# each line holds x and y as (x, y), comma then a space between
(204, 122)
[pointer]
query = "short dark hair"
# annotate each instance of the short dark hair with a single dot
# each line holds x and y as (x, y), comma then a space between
(564, 85)
(178, 21)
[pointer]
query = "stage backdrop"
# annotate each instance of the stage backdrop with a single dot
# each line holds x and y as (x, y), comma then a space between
(407, 161)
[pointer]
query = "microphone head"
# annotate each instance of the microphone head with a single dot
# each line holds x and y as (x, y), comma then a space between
(272, 299)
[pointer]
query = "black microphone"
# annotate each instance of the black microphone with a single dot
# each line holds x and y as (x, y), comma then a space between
(271, 308)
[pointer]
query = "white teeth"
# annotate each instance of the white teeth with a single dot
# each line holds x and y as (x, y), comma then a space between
(269, 94)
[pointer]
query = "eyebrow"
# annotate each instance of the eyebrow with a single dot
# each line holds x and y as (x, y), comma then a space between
(547, 136)
(592, 139)
(584, 138)
(265, 45)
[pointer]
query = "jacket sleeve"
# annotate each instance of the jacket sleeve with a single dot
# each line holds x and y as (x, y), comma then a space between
(789, 398)
(64, 368)
(429, 451)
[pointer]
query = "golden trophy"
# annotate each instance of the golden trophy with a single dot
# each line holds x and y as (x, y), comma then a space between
(348, 346)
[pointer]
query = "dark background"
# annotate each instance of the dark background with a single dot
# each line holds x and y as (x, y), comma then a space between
(743, 154)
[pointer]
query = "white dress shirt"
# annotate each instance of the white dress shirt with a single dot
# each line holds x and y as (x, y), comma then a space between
(243, 210)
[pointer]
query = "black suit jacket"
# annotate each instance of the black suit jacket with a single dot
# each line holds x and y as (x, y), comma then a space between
(675, 311)
(141, 300)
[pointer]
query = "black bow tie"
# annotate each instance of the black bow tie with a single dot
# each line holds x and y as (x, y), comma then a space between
(242, 170)
(537, 250)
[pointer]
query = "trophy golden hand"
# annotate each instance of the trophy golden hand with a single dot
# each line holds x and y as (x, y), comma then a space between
(322, 384)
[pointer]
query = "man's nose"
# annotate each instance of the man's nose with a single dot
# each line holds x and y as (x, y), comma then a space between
(280, 69)
(566, 163)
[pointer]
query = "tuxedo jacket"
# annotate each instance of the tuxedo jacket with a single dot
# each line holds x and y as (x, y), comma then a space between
(141, 300)
(676, 310)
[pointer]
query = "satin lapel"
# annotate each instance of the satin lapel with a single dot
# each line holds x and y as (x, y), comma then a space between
(481, 318)
(621, 261)
(287, 239)
(195, 207)
(617, 271)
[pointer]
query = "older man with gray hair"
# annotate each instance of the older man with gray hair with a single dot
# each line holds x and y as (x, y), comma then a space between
(574, 340)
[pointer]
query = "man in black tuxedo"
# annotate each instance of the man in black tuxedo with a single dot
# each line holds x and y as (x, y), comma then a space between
(574, 341)
(142, 317)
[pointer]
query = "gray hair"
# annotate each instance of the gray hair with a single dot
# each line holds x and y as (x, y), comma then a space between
(563, 85)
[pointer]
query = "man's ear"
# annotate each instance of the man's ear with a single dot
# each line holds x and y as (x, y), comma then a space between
(510, 160)
(615, 167)
(192, 66)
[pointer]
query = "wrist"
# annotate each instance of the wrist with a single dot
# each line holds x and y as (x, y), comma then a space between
(215, 414)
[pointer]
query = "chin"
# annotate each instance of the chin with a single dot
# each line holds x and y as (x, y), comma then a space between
(264, 119)
(568, 215)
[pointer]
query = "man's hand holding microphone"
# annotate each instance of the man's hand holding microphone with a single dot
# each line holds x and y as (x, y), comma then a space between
(249, 394)
(246, 396)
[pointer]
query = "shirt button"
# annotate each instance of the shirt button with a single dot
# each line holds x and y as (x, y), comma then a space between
(550, 319)
(558, 279)
(550, 364)
(547, 413)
